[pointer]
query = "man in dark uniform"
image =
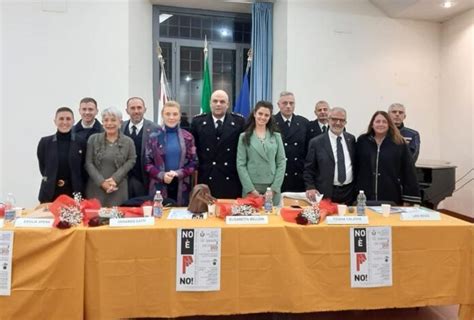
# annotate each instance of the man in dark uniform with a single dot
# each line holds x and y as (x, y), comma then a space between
(412, 137)
(139, 129)
(293, 129)
(216, 136)
(88, 125)
(320, 124)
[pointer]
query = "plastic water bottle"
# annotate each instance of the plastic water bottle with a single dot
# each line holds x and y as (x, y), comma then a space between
(268, 204)
(10, 212)
(158, 205)
(361, 203)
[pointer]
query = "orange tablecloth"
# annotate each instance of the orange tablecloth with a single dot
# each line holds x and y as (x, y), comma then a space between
(280, 267)
(48, 275)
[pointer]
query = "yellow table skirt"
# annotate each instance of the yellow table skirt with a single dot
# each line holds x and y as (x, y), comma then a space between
(47, 276)
(280, 267)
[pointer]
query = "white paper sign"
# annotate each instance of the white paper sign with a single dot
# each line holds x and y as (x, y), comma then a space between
(246, 220)
(198, 259)
(371, 257)
(33, 223)
(184, 214)
(420, 215)
(347, 220)
(131, 222)
(6, 252)
(2, 223)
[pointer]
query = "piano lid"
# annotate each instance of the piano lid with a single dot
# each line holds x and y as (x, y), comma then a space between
(434, 164)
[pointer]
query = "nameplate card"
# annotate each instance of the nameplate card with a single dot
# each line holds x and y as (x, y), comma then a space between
(2, 223)
(246, 220)
(132, 222)
(347, 220)
(420, 216)
(33, 223)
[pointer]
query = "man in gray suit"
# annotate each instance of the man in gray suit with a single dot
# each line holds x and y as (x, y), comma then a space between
(139, 129)
(330, 162)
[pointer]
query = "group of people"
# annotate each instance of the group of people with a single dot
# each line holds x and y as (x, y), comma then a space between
(117, 162)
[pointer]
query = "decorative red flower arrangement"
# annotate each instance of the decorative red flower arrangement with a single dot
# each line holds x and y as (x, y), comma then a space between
(69, 212)
(250, 205)
(309, 215)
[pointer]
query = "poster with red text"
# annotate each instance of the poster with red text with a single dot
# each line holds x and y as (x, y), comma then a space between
(371, 257)
(198, 259)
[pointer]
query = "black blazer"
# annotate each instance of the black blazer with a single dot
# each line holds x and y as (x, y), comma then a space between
(47, 153)
(217, 156)
(320, 163)
(314, 129)
(295, 143)
(148, 128)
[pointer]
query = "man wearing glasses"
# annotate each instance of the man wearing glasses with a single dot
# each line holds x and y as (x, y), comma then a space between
(330, 162)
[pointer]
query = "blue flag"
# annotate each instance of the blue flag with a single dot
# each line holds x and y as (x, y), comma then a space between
(242, 105)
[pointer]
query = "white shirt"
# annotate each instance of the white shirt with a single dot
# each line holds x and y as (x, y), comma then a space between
(347, 158)
(287, 119)
(215, 120)
(321, 125)
(139, 126)
(85, 126)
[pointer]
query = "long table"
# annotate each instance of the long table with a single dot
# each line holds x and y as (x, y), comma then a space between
(47, 276)
(104, 273)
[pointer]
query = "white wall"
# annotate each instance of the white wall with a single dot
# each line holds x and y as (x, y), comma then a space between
(347, 52)
(457, 104)
(350, 54)
(52, 59)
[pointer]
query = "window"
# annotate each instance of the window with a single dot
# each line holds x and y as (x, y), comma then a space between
(180, 33)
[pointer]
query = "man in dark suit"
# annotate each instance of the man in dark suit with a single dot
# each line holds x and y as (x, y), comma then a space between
(293, 130)
(330, 162)
(398, 114)
(139, 129)
(216, 135)
(320, 124)
(88, 125)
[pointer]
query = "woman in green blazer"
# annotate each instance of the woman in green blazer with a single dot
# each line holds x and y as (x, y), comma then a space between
(261, 160)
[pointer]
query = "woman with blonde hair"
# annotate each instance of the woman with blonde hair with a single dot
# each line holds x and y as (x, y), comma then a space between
(171, 157)
(385, 168)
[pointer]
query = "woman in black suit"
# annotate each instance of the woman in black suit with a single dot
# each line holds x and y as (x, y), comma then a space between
(385, 169)
(61, 159)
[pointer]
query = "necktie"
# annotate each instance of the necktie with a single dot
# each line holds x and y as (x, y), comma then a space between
(134, 131)
(341, 165)
(288, 123)
(324, 129)
(219, 128)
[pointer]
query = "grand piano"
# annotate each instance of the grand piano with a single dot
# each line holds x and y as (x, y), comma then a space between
(437, 181)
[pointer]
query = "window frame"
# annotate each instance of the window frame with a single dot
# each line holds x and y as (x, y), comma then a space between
(177, 43)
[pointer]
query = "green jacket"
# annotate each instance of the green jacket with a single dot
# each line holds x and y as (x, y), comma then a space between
(261, 162)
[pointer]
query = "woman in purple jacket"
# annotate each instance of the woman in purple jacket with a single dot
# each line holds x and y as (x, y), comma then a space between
(171, 157)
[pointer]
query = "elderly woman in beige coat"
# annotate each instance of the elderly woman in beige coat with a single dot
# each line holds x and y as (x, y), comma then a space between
(261, 160)
(110, 156)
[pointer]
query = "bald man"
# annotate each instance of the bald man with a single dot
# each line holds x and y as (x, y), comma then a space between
(216, 135)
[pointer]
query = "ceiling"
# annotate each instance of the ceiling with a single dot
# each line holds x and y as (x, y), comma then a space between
(428, 10)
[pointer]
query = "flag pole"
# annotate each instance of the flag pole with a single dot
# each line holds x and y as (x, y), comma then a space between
(206, 82)
(164, 92)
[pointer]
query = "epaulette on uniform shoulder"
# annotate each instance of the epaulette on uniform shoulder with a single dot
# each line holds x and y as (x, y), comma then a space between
(200, 115)
(237, 114)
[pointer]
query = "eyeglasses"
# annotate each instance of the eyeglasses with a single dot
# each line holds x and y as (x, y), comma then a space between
(335, 120)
